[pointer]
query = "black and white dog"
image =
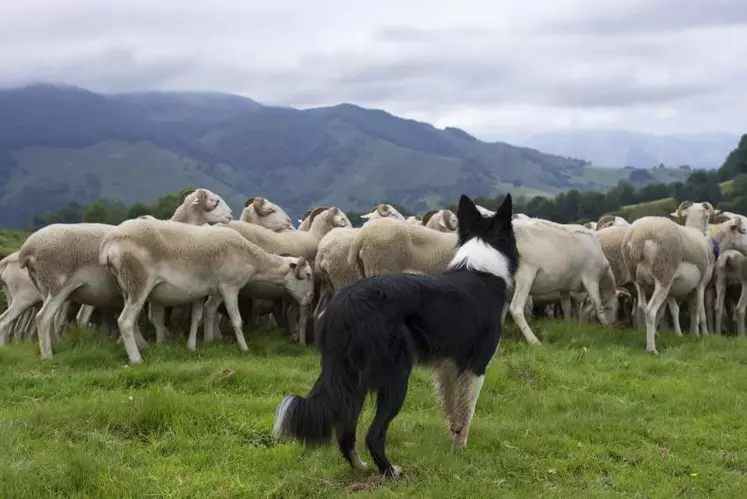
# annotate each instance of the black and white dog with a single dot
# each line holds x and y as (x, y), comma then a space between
(376, 329)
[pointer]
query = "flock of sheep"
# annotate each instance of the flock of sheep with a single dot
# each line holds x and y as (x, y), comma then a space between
(205, 262)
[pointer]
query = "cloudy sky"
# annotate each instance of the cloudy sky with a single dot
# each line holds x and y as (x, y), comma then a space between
(493, 68)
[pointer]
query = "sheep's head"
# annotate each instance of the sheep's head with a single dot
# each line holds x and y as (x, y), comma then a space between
(323, 219)
(415, 220)
(304, 223)
(299, 279)
(609, 293)
(206, 205)
(383, 210)
(262, 212)
(441, 220)
(694, 214)
(732, 235)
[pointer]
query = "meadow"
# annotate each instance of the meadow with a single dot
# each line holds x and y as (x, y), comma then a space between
(587, 414)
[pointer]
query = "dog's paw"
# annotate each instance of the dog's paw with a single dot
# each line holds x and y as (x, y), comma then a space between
(393, 472)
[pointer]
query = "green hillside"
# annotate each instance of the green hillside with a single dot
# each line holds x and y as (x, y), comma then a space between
(64, 144)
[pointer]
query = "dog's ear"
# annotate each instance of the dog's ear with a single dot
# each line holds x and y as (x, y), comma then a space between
(467, 212)
(505, 211)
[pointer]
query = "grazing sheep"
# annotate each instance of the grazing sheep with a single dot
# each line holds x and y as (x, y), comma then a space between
(558, 258)
(677, 260)
(262, 212)
(299, 243)
(171, 263)
(440, 220)
(63, 262)
(20, 293)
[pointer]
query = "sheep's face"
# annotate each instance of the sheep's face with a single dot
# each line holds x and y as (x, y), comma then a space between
(262, 212)
(735, 235)
(383, 211)
(214, 209)
(299, 280)
(695, 213)
(338, 218)
(415, 220)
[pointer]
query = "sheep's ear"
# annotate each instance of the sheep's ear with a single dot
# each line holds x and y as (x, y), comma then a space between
(248, 202)
(674, 214)
(368, 215)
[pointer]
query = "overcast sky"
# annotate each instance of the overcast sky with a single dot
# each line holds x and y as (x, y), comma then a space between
(493, 68)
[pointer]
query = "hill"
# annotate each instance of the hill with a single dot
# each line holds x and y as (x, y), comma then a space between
(640, 150)
(60, 144)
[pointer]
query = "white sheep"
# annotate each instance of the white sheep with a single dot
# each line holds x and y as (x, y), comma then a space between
(558, 258)
(677, 260)
(299, 243)
(262, 212)
(63, 262)
(441, 220)
(606, 221)
(170, 263)
(415, 220)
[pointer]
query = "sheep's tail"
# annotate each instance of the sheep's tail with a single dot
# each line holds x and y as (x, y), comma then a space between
(330, 401)
(27, 261)
(107, 254)
(354, 253)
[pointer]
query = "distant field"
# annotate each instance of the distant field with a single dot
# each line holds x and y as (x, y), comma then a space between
(587, 414)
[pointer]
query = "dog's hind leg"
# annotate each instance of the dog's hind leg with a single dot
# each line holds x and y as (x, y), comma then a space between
(388, 404)
(346, 437)
(444, 381)
(468, 388)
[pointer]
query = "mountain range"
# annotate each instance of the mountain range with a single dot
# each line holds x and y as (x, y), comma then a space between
(60, 144)
(640, 150)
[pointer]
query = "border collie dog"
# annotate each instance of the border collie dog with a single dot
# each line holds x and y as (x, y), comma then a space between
(375, 330)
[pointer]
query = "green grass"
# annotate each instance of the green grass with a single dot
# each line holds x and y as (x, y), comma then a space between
(587, 414)
(10, 241)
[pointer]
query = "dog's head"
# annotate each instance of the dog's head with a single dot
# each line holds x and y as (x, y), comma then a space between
(486, 243)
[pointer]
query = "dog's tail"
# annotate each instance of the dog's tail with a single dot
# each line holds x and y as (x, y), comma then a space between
(311, 419)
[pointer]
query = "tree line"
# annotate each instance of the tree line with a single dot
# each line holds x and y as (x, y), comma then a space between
(573, 206)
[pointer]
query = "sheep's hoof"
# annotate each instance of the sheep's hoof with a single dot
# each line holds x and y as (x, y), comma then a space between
(652, 352)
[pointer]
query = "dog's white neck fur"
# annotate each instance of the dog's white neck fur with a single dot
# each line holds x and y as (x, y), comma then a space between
(478, 255)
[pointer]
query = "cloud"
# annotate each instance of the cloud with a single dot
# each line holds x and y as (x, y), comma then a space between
(492, 69)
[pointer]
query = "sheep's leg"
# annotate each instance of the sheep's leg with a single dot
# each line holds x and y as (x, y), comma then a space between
(194, 323)
(524, 279)
(592, 289)
(13, 312)
(692, 306)
(210, 310)
(565, 304)
(230, 297)
(83, 317)
(303, 317)
(127, 320)
(46, 315)
(720, 298)
(60, 319)
(700, 307)
(658, 297)
(156, 316)
(710, 308)
(641, 309)
(674, 310)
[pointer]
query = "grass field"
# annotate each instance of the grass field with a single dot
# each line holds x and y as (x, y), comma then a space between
(587, 414)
